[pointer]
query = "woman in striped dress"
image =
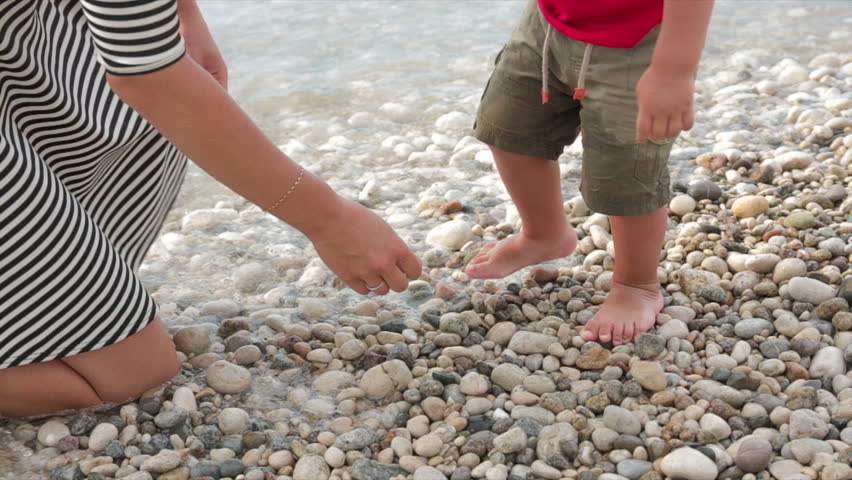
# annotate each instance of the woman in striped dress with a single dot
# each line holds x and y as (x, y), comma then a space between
(101, 102)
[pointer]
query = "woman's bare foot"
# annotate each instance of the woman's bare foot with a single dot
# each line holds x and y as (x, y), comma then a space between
(499, 259)
(628, 311)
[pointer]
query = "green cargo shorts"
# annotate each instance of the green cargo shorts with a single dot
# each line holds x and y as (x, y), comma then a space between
(620, 176)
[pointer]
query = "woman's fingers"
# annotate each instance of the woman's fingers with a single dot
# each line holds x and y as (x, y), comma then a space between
(376, 284)
(410, 265)
(355, 284)
(395, 278)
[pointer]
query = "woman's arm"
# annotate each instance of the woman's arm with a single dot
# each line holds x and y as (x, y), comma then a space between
(188, 107)
(199, 43)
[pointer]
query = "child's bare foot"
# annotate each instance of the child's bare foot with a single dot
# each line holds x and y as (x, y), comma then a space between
(499, 259)
(628, 311)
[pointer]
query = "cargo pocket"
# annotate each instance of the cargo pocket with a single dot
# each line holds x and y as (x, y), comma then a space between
(488, 84)
(650, 162)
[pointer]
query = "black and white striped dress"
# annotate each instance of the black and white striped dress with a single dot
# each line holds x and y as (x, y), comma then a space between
(85, 182)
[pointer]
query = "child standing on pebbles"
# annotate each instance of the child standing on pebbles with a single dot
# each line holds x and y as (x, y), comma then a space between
(622, 72)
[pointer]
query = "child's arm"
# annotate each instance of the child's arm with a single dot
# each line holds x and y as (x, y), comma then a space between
(665, 91)
(194, 112)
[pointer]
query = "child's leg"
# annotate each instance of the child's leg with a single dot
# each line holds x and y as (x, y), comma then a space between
(634, 299)
(526, 138)
(628, 181)
(534, 186)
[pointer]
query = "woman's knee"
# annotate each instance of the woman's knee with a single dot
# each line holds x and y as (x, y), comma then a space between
(43, 388)
(150, 375)
(126, 369)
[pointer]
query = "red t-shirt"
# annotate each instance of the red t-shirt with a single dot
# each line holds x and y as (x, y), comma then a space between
(608, 23)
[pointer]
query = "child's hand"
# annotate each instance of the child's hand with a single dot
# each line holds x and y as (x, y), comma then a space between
(365, 252)
(199, 43)
(665, 103)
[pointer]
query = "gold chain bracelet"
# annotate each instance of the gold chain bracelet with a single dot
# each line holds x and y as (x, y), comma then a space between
(289, 192)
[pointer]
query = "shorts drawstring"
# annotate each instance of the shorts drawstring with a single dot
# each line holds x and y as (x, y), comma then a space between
(580, 91)
(545, 70)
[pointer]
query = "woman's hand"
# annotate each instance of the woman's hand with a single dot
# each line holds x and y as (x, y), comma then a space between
(199, 43)
(365, 252)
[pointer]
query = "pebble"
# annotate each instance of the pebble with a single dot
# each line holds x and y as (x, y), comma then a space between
(51, 432)
(428, 445)
(715, 426)
(184, 398)
(649, 374)
(787, 269)
(828, 362)
(162, 462)
(748, 328)
(366, 469)
(633, 469)
(451, 235)
(194, 339)
(101, 435)
(800, 220)
(512, 441)
(785, 469)
(311, 467)
(474, 384)
(531, 342)
(225, 377)
(381, 380)
(689, 464)
(426, 472)
(233, 421)
(674, 328)
(753, 454)
(621, 420)
(649, 346)
(335, 457)
(810, 290)
(682, 204)
(704, 190)
(749, 206)
(501, 333)
(544, 273)
(508, 376)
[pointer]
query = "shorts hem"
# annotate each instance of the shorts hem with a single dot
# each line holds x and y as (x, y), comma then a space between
(517, 144)
(603, 203)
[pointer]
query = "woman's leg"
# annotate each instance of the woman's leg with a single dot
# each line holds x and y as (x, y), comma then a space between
(115, 373)
(126, 369)
(42, 388)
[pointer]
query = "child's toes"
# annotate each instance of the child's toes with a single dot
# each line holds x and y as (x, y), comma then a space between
(617, 334)
(605, 332)
(629, 332)
(590, 331)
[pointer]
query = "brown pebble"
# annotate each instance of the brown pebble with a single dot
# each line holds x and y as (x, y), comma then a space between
(795, 371)
(544, 273)
(772, 233)
(444, 291)
(302, 349)
(451, 207)
(594, 359)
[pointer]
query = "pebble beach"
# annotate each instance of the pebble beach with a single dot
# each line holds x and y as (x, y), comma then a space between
(288, 375)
